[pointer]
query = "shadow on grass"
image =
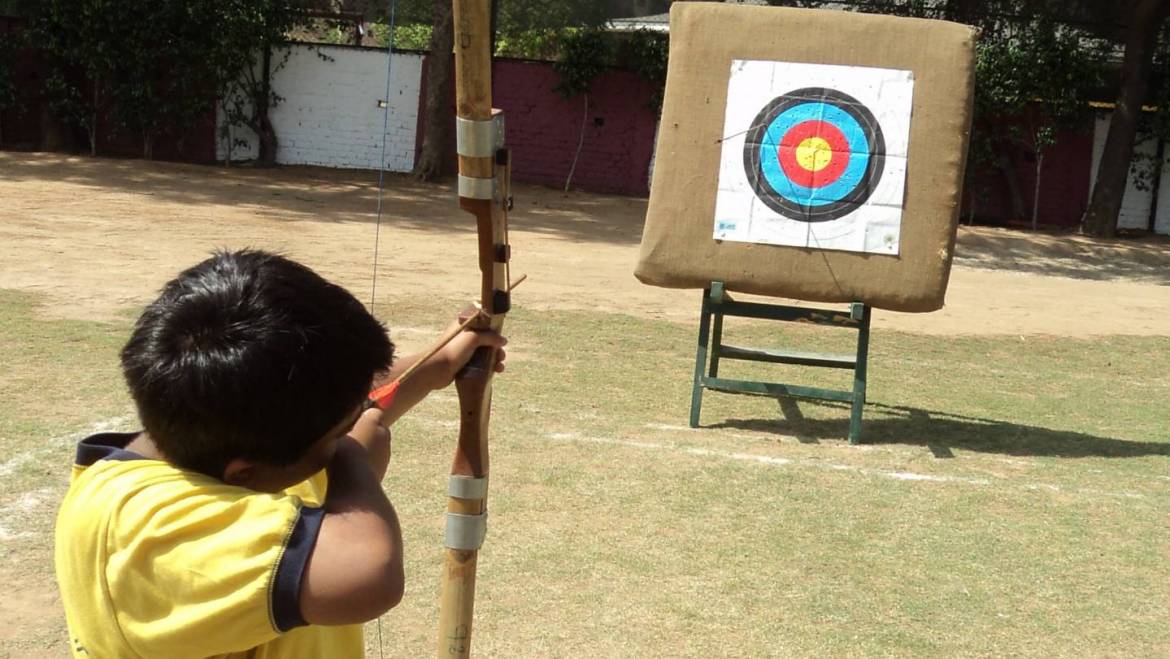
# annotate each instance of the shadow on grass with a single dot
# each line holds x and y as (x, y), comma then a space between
(941, 432)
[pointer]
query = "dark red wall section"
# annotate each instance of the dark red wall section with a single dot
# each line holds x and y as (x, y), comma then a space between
(544, 128)
(1064, 185)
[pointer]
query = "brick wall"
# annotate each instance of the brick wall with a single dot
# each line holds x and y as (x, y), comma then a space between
(1065, 181)
(330, 114)
(544, 128)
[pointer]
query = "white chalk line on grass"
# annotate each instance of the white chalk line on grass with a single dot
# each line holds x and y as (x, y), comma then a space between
(855, 447)
(26, 505)
(763, 459)
(12, 464)
(773, 461)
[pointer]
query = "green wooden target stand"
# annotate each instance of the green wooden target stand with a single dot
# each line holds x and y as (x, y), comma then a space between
(718, 304)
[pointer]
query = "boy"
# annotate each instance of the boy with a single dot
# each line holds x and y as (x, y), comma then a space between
(248, 518)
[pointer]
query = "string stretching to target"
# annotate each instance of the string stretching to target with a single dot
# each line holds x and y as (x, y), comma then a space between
(814, 154)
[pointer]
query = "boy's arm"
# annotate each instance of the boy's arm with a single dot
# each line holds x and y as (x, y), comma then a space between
(355, 571)
(439, 371)
(371, 430)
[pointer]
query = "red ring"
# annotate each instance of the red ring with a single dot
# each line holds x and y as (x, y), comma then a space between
(786, 153)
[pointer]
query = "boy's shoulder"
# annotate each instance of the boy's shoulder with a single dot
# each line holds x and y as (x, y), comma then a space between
(137, 539)
(125, 500)
(112, 485)
(104, 469)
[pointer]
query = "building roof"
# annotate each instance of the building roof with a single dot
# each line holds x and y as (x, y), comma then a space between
(657, 22)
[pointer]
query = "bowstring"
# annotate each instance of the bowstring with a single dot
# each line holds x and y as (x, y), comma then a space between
(393, 7)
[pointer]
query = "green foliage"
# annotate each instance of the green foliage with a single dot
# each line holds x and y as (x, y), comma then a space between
(645, 52)
(528, 29)
(1032, 83)
(539, 44)
(153, 64)
(1154, 124)
(8, 95)
(337, 33)
(17, 7)
(514, 17)
(585, 54)
(911, 8)
(81, 43)
(406, 37)
(1041, 73)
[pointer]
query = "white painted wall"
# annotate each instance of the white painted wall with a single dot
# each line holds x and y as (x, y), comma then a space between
(1162, 220)
(330, 115)
(1135, 205)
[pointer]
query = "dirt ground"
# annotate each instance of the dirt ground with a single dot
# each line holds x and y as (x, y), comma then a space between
(96, 236)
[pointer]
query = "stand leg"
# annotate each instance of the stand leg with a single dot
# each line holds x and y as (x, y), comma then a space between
(701, 359)
(859, 375)
(716, 345)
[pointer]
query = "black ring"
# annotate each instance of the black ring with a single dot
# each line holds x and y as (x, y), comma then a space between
(789, 208)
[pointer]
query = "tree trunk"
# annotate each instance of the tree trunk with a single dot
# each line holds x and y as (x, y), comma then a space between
(495, 23)
(1036, 192)
(439, 108)
(229, 148)
(1145, 21)
(1007, 168)
(267, 134)
(93, 121)
(54, 136)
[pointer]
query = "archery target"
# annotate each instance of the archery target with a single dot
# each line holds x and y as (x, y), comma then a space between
(814, 156)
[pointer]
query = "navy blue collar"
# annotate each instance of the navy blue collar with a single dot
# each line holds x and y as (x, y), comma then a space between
(106, 446)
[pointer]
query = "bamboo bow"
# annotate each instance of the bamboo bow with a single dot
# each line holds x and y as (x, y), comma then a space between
(484, 182)
(483, 191)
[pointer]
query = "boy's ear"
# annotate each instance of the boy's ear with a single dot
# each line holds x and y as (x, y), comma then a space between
(239, 471)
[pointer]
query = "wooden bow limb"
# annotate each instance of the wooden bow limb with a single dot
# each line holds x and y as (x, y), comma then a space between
(484, 181)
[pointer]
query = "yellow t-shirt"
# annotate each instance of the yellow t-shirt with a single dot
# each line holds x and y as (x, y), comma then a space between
(155, 561)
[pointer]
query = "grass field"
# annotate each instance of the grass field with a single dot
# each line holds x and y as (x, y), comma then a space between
(1012, 498)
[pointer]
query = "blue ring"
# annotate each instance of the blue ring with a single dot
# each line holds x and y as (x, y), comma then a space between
(835, 191)
(818, 207)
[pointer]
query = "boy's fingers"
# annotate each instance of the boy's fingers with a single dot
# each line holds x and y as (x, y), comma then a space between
(490, 339)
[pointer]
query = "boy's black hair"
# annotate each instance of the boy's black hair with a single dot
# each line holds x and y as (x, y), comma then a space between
(249, 354)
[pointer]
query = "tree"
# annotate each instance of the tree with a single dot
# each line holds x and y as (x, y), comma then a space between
(150, 65)
(1145, 20)
(165, 77)
(536, 28)
(585, 55)
(247, 50)
(79, 39)
(8, 95)
(1034, 108)
(439, 107)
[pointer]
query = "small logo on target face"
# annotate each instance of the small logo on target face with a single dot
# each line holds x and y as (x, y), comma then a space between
(814, 154)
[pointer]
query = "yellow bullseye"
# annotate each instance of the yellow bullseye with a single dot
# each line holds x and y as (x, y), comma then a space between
(814, 154)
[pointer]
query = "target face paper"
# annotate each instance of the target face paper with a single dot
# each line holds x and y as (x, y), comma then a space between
(814, 156)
